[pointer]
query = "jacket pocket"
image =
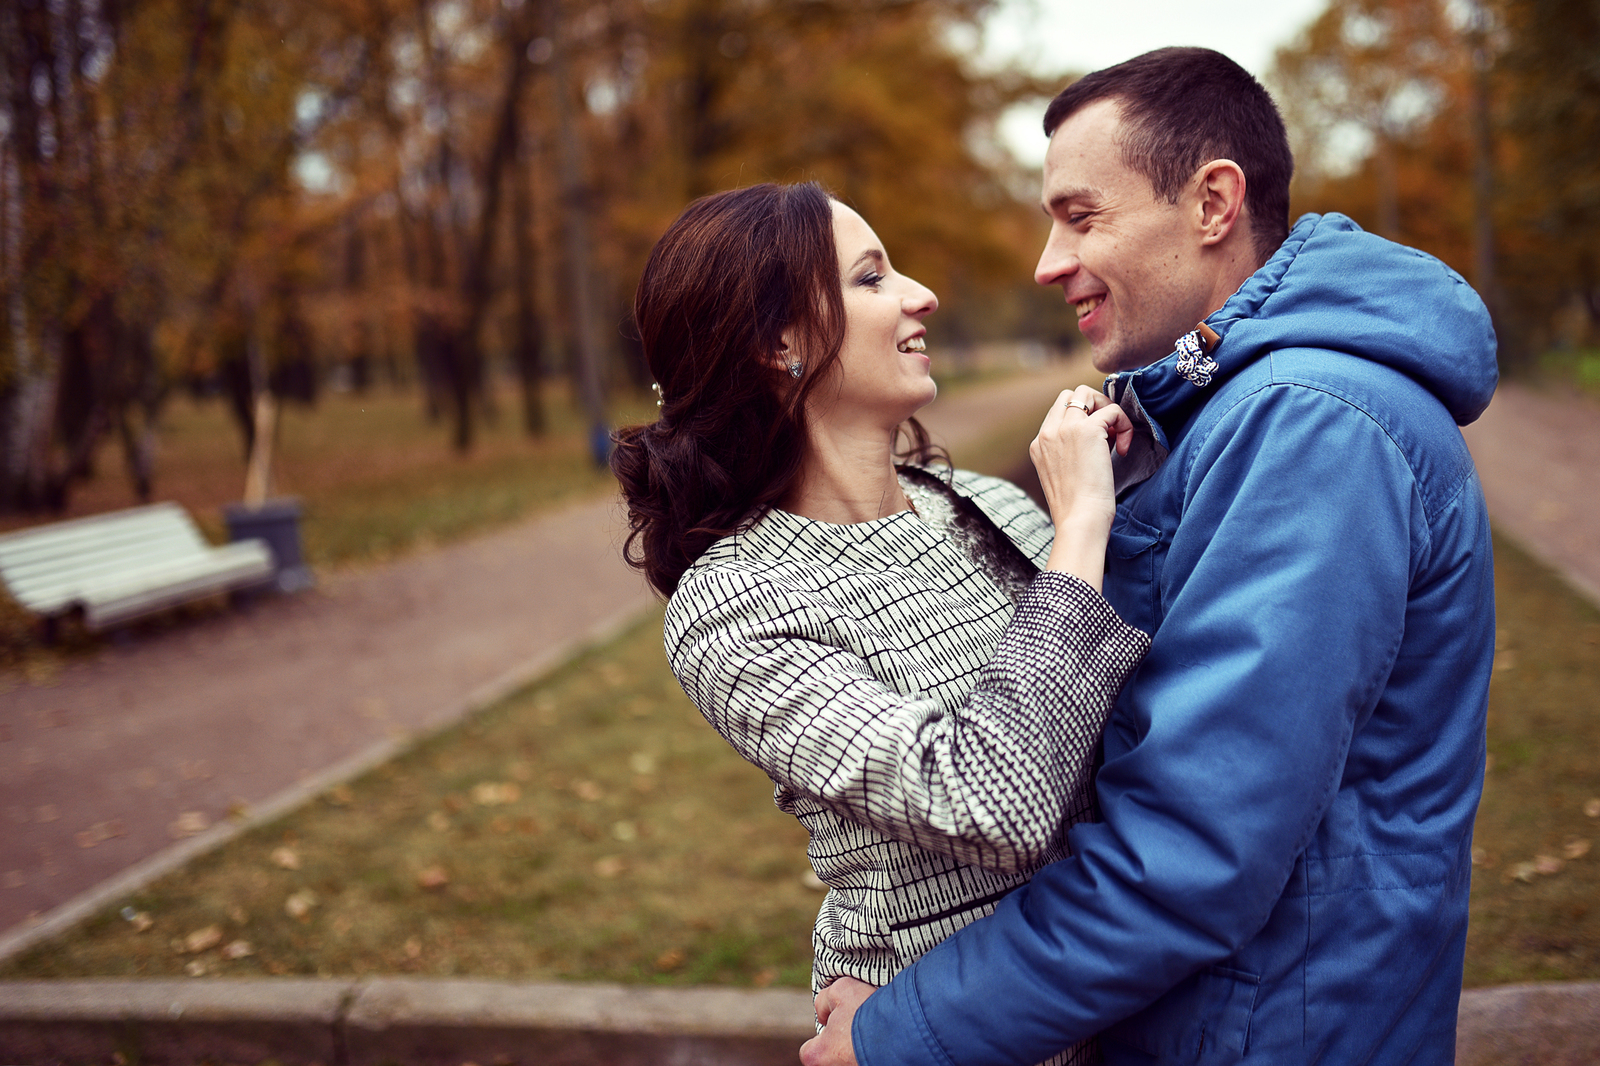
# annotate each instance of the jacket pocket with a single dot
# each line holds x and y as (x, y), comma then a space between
(1133, 569)
(1205, 1020)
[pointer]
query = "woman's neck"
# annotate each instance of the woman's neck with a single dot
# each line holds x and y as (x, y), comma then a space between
(848, 476)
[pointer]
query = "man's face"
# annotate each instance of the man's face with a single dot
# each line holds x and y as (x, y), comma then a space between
(1128, 261)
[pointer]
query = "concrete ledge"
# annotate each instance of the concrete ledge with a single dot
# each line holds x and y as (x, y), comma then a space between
(423, 1022)
(414, 1021)
(171, 1021)
(1544, 1024)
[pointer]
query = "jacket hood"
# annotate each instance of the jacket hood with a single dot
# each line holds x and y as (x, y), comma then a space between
(1332, 285)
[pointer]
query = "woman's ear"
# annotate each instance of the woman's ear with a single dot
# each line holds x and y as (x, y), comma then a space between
(787, 359)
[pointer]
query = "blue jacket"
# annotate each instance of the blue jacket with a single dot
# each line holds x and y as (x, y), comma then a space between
(1290, 778)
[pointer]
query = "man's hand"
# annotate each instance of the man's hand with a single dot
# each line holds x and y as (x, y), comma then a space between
(836, 1006)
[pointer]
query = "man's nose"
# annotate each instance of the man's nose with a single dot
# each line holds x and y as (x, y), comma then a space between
(1058, 261)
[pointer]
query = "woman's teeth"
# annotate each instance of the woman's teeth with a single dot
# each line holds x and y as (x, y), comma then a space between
(914, 344)
(1085, 306)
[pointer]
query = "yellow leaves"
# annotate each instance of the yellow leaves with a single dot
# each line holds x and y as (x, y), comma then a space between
(1592, 808)
(1544, 864)
(588, 791)
(610, 866)
(1575, 849)
(286, 858)
(237, 949)
(432, 878)
(670, 960)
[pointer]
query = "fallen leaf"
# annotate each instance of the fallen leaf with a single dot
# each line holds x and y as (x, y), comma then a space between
(670, 960)
(238, 949)
(188, 824)
(1505, 660)
(1575, 849)
(140, 920)
(610, 866)
(413, 948)
(500, 824)
(300, 903)
(287, 858)
(763, 978)
(1548, 865)
(202, 939)
(642, 762)
(432, 877)
(238, 916)
(195, 968)
(625, 831)
(1522, 871)
(588, 791)
(495, 793)
(1592, 808)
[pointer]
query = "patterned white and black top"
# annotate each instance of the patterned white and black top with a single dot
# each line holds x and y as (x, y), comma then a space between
(935, 740)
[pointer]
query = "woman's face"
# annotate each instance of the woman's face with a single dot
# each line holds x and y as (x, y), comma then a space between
(882, 376)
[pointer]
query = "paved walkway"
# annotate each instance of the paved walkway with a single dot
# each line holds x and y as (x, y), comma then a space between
(148, 744)
(1538, 455)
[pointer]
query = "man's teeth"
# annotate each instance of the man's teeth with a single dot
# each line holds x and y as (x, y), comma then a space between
(1085, 306)
(914, 344)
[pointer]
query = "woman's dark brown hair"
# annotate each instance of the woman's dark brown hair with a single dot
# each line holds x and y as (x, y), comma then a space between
(729, 277)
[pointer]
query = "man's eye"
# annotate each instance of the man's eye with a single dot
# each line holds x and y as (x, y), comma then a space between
(1078, 218)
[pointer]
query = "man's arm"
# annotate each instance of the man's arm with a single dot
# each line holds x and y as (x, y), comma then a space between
(1285, 591)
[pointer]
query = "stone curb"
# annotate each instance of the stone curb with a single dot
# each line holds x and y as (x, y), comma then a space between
(116, 889)
(422, 1022)
(414, 1021)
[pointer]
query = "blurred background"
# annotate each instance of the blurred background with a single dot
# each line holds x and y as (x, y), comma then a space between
(450, 200)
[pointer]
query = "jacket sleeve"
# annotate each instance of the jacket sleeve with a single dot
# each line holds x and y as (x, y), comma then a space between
(1284, 591)
(989, 783)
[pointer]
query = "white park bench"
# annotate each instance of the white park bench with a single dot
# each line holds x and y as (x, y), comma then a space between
(123, 565)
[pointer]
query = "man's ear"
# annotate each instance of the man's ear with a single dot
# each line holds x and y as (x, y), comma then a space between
(1219, 194)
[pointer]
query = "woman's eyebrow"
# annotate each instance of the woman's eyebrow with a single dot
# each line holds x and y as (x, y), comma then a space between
(873, 254)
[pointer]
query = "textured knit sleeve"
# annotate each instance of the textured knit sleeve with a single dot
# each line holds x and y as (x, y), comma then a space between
(992, 783)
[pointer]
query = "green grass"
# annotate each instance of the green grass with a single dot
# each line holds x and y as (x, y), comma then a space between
(1573, 368)
(1543, 781)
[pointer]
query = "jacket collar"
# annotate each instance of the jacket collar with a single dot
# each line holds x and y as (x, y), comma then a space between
(1167, 392)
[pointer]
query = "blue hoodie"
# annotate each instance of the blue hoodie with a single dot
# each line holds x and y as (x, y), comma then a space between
(1290, 778)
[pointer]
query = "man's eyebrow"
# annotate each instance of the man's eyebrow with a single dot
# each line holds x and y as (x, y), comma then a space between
(1065, 196)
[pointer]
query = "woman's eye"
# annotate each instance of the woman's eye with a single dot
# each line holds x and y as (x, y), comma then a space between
(871, 280)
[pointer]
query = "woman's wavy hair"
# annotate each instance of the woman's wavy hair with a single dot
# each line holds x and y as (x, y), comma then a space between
(728, 278)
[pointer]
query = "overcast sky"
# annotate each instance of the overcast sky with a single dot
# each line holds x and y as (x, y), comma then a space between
(1054, 36)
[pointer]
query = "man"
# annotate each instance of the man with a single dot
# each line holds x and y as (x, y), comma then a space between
(1290, 778)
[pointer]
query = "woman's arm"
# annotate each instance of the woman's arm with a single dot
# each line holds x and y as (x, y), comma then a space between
(992, 782)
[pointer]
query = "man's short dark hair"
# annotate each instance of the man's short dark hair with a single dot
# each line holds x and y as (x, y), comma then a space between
(1182, 108)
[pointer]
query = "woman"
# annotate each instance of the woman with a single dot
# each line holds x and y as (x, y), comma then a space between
(880, 640)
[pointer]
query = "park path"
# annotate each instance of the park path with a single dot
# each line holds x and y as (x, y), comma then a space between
(1538, 456)
(118, 767)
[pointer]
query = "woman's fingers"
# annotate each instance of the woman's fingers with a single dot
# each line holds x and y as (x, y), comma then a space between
(1118, 427)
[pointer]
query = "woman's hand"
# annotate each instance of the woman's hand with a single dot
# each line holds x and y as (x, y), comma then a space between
(835, 1006)
(1074, 465)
